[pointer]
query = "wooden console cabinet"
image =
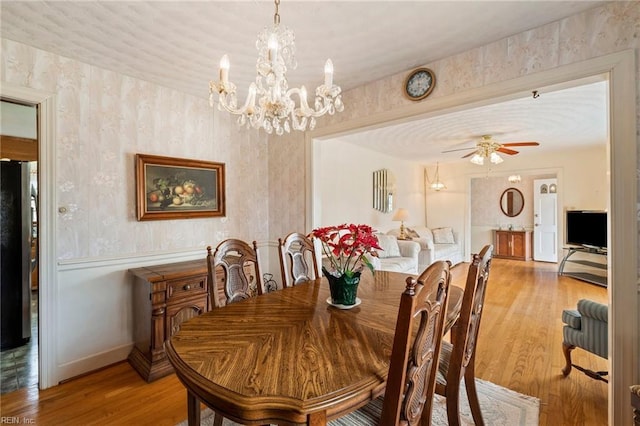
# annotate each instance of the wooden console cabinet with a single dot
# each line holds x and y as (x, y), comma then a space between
(164, 297)
(512, 244)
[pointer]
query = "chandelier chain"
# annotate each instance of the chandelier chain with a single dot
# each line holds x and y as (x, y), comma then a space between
(276, 16)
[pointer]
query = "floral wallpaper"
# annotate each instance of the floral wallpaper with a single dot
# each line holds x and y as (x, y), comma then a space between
(103, 120)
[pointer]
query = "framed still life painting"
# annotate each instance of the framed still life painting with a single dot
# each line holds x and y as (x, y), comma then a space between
(178, 188)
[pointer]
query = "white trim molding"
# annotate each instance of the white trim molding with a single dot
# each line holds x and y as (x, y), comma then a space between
(47, 281)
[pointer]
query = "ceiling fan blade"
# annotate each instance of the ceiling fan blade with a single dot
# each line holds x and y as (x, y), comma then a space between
(506, 150)
(469, 154)
(521, 144)
(459, 149)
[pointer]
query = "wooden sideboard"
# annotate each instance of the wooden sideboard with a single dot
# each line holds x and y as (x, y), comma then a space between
(164, 296)
(512, 244)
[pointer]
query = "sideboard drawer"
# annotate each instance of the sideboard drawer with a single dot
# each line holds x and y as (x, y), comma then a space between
(186, 287)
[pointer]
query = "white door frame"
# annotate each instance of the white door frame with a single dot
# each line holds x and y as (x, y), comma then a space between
(619, 69)
(47, 283)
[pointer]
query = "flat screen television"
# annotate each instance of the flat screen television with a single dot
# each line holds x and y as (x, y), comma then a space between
(586, 228)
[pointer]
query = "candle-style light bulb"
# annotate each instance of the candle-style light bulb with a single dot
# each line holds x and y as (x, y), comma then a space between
(252, 99)
(328, 73)
(273, 46)
(224, 69)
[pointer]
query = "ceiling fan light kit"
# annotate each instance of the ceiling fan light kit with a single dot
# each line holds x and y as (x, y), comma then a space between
(488, 148)
(270, 104)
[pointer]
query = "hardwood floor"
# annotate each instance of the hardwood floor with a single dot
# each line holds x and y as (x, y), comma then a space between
(519, 347)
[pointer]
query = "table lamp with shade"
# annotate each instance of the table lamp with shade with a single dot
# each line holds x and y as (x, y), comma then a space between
(400, 216)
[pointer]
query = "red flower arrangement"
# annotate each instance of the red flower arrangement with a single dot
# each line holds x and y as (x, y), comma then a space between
(346, 246)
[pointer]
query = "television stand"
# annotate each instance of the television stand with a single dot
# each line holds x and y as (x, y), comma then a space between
(585, 275)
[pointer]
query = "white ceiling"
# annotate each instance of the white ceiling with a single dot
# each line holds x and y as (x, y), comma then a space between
(560, 119)
(179, 44)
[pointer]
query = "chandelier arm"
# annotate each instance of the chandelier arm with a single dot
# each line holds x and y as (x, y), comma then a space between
(243, 110)
(305, 109)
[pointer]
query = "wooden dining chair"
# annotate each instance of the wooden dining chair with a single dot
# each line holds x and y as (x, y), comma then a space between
(298, 259)
(457, 358)
(414, 360)
(235, 275)
(233, 272)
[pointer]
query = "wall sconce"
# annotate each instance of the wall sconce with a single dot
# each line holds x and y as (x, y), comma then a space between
(514, 178)
(436, 185)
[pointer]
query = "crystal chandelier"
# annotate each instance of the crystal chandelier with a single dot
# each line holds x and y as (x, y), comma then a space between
(270, 104)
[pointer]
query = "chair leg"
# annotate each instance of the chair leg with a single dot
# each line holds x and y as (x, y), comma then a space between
(566, 349)
(472, 395)
(217, 419)
(453, 403)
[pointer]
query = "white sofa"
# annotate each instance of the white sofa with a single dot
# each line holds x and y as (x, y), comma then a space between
(446, 245)
(396, 255)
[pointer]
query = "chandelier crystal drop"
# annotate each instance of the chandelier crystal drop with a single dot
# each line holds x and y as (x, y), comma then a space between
(270, 103)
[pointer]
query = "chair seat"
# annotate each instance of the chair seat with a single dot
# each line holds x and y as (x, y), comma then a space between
(446, 349)
(366, 416)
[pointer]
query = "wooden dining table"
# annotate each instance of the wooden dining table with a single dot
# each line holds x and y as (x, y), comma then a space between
(289, 357)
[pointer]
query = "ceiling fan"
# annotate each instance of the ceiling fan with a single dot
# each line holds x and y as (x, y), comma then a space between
(489, 148)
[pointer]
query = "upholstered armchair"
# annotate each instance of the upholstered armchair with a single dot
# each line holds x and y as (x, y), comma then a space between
(585, 328)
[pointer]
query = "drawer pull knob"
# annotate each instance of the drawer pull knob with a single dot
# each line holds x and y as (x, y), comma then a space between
(187, 287)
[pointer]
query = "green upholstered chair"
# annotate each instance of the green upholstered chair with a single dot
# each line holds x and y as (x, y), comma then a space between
(586, 328)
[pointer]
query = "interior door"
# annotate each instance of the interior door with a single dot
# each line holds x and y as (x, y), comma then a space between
(545, 213)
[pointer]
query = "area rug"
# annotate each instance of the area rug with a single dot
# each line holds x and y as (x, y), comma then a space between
(500, 407)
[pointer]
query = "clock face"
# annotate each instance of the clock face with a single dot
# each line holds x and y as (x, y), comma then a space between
(419, 84)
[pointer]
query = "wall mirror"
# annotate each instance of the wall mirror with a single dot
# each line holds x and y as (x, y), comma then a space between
(383, 185)
(511, 202)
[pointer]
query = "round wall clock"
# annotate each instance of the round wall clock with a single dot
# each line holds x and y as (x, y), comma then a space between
(419, 84)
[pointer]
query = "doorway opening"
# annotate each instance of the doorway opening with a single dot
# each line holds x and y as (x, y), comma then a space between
(619, 69)
(20, 276)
